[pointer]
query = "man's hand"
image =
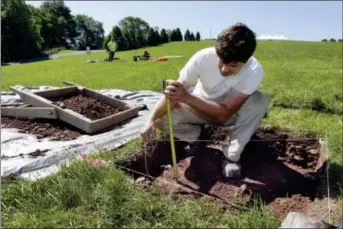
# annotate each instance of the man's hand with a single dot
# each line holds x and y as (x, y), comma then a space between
(176, 92)
(148, 132)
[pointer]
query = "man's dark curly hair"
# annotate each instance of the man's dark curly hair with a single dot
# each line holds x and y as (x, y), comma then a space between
(236, 43)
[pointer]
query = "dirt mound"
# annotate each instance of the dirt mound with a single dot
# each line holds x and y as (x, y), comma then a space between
(56, 130)
(279, 169)
(87, 106)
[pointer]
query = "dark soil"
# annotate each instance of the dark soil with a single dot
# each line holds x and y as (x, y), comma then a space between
(38, 153)
(56, 130)
(282, 171)
(90, 107)
(33, 154)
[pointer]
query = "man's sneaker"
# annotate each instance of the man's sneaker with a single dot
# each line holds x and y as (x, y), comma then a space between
(231, 169)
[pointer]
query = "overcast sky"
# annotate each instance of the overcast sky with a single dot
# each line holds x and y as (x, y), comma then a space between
(307, 20)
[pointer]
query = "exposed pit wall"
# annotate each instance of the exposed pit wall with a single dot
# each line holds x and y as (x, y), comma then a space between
(269, 170)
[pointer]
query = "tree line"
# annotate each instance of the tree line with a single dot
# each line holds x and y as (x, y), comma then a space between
(332, 40)
(28, 31)
(134, 32)
(189, 36)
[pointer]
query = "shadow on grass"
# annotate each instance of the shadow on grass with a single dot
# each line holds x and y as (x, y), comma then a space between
(316, 105)
(29, 60)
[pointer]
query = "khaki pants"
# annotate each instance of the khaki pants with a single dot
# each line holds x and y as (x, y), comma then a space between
(187, 124)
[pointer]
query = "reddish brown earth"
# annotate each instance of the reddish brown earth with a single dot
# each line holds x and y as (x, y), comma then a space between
(56, 130)
(280, 170)
(90, 107)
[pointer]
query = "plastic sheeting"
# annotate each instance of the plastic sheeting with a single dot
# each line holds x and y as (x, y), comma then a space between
(16, 146)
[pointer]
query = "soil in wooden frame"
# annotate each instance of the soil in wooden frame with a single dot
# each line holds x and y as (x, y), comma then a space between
(91, 108)
(57, 130)
(283, 172)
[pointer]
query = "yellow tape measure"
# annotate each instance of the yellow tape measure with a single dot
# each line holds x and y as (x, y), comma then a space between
(171, 133)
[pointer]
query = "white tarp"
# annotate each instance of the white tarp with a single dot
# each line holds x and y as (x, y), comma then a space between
(16, 146)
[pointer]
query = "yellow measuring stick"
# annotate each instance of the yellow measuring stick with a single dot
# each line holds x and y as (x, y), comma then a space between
(171, 133)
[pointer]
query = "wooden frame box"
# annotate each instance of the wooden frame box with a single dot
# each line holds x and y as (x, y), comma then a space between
(41, 102)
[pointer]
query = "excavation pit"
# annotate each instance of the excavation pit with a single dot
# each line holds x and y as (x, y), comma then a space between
(285, 171)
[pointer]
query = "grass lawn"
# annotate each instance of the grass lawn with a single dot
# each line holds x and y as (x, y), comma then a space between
(58, 51)
(62, 51)
(303, 75)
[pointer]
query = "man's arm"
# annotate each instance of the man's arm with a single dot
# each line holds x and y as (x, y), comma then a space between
(188, 76)
(232, 103)
(218, 111)
(160, 108)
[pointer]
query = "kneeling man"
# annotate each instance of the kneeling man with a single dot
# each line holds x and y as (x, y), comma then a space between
(227, 77)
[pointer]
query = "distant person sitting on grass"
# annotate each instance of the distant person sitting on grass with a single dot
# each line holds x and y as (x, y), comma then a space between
(227, 77)
(146, 55)
(112, 46)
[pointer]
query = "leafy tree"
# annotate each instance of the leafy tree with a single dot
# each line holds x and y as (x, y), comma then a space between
(47, 29)
(192, 37)
(187, 35)
(61, 24)
(36, 21)
(340, 40)
(119, 38)
(164, 36)
(332, 40)
(197, 36)
(20, 37)
(89, 32)
(134, 24)
(324, 40)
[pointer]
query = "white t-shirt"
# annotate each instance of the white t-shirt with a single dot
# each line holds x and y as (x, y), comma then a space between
(202, 69)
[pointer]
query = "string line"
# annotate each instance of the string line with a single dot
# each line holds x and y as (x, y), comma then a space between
(225, 141)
